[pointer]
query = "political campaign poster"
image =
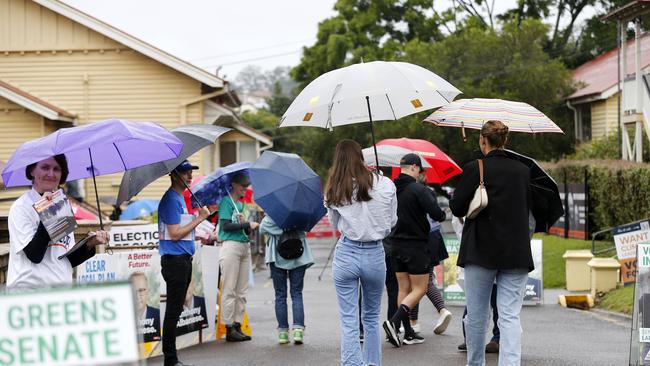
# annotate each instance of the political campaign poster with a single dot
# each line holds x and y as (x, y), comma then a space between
(210, 271)
(135, 236)
(88, 325)
(574, 199)
(453, 276)
(640, 337)
(626, 239)
(142, 270)
(534, 293)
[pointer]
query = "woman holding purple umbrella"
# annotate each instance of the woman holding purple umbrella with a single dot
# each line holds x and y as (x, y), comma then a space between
(33, 257)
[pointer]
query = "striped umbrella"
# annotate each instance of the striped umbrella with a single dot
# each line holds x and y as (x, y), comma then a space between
(473, 113)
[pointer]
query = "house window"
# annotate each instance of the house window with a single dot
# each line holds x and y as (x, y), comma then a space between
(247, 151)
(585, 122)
(228, 152)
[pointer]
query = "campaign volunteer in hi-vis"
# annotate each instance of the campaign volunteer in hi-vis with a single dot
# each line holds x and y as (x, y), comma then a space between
(34, 258)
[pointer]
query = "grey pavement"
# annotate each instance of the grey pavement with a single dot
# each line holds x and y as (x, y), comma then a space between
(552, 335)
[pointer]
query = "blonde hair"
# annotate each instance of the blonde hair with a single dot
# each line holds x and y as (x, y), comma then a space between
(496, 133)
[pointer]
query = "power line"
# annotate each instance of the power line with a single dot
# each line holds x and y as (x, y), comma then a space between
(253, 50)
(253, 59)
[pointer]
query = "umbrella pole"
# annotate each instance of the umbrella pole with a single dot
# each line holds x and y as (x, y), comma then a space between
(372, 132)
(99, 210)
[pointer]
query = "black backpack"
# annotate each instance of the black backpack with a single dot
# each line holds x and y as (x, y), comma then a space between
(290, 246)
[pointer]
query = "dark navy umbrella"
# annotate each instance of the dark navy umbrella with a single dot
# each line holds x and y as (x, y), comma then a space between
(215, 186)
(288, 190)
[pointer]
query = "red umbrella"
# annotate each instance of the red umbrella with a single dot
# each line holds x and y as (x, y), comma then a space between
(82, 214)
(442, 167)
(188, 199)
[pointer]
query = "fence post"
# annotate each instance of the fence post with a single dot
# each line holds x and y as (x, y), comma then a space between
(587, 215)
(566, 205)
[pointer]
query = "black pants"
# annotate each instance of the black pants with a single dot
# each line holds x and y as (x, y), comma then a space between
(391, 288)
(177, 272)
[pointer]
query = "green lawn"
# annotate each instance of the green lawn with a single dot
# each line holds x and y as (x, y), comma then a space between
(619, 300)
(553, 249)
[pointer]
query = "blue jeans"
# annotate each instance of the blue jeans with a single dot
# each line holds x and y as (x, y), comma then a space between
(359, 262)
(510, 297)
(296, 280)
(495, 317)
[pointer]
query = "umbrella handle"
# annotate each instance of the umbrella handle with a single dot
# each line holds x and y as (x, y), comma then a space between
(462, 132)
(372, 132)
(99, 211)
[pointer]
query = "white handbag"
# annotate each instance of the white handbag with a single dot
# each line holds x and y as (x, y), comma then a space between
(480, 200)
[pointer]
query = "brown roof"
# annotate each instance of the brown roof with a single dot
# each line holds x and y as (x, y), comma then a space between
(35, 99)
(629, 10)
(601, 73)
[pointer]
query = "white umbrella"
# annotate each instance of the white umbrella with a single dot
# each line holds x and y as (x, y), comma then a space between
(389, 155)
(371, 91)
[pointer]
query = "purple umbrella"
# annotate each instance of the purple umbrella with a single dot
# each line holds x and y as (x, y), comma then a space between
(100, 148)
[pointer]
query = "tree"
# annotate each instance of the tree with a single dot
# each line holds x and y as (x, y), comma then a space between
(508, 63)
(279, 102)
(366, 30)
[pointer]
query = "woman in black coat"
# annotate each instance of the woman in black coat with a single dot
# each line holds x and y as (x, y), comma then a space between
(495, 245)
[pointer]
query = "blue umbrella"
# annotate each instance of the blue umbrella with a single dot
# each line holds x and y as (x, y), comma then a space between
(288, 190)
(215, 186)
(139, 209)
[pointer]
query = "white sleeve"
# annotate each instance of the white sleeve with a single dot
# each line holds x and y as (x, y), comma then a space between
(22, 227)
(393, 209)
(458, 226)
(333, 216)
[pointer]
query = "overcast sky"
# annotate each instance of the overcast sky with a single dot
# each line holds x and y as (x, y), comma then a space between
(232, 34)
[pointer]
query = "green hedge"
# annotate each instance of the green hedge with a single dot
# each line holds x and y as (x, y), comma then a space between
(618, 191)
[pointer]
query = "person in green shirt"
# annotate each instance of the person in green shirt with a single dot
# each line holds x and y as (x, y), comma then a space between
(234, 257)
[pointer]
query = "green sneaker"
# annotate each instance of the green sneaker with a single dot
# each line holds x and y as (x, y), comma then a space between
(298, 335)
(283, 337)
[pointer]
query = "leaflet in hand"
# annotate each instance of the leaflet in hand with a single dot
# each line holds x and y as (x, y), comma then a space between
(56, 215)
(185, 219)
(204, 229)
(78, 245)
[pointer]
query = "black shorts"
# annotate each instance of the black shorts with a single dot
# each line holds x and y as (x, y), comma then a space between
(412, 260)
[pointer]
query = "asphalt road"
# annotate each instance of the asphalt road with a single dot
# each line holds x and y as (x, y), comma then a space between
(552, 335)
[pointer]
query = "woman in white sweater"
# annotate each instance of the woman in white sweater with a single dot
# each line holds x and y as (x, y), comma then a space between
(362, 205)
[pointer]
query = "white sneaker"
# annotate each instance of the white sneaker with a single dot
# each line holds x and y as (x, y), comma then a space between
(416, 328)
(443, 322)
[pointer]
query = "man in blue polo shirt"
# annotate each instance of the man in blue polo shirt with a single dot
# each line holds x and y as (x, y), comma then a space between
(176, 229)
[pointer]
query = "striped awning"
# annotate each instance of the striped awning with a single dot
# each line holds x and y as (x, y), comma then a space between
(473, 113)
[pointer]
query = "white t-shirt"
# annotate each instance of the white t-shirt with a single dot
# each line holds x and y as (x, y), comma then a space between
(23, 273)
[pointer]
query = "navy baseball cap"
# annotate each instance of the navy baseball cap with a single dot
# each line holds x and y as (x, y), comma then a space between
(411, 159)
(185, 166)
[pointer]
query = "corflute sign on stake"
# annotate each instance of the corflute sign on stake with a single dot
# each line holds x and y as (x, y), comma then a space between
(627, 238)
(71, 326)
(135, 235)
